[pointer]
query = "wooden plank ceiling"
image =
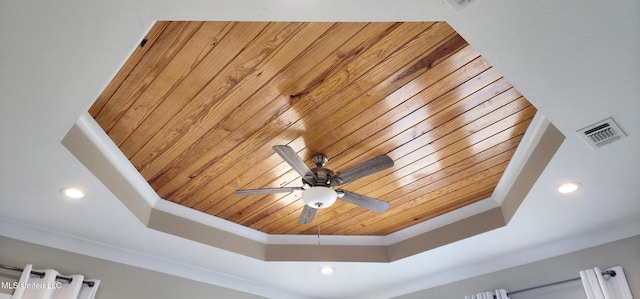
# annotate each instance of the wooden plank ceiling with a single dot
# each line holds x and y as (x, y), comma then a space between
(198, 106)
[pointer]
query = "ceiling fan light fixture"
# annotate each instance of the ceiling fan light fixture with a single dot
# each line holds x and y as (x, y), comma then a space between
(317, 184)
(319, 197)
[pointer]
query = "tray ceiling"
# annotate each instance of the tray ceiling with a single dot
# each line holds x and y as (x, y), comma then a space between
(198, 106)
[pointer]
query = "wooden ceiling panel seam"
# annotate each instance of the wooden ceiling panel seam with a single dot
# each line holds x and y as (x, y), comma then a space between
(210, 104)
(463, 157)
(141, 104)
(131, 62)
(254, 133)
(186, 92)
(454, 152)
(404, 129)
(265, 212)
(376, 194)
(191, 146)
(401, 145)
(183, 68)
(234, 139)
(170, 101)
(195, 171)
(433, 186)
(129, 66)
(417, 204)
(281, 217)
(442, 177)
(288, 70)
(446, 127)
(332, 130)
(170, 78)
(475, 193)
(144, 72)
(416, 149)
(334, 162)
(363, 110)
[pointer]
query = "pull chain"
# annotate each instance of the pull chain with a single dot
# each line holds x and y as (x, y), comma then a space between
(318, 228)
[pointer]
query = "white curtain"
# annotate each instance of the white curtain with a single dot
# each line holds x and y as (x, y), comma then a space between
(598, 286)
(499, 294)
(48, 287)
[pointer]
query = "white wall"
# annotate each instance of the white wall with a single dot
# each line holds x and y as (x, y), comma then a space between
(116, 280)
(122, 281)
(625, 253)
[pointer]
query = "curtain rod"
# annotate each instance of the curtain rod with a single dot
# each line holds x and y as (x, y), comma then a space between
(41, 274)
(608, 272)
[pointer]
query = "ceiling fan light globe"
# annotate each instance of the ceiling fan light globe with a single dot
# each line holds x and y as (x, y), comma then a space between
(319, 197)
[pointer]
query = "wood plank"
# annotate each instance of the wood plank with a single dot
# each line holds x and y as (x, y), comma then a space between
(512, 111)
(235, 139)
(414, 154)
(443, 169)
(473, 193)
(181, 163)
(335, 215)
(337, 161)
(468, 189)
(132, 62)
(144, 73)
(453, 169)
(365, 221)
(266, 135)
(383, 122)
(190, 86)
(181, 65)
(211, 101)
(177, 180)
(321, 138)
(440, 178)
(179, 153)
(412, 184)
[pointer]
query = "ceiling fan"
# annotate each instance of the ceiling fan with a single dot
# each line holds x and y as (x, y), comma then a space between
(318, 183)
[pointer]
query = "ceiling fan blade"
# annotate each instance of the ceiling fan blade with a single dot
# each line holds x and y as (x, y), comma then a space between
(366, 202)
(366, 168)
(290, 156)
(267, 190)
(307, 215)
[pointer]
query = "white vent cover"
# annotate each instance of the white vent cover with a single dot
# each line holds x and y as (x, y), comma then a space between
(459, 5)
(601, 133)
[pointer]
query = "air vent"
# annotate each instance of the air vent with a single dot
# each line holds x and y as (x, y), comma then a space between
(601, 133)
(459, 5)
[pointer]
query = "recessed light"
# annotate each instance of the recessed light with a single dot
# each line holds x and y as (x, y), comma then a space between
(72, 192)
(327, 270)
(569, 187)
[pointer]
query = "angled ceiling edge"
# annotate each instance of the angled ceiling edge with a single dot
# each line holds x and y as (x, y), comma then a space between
(93, 148)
